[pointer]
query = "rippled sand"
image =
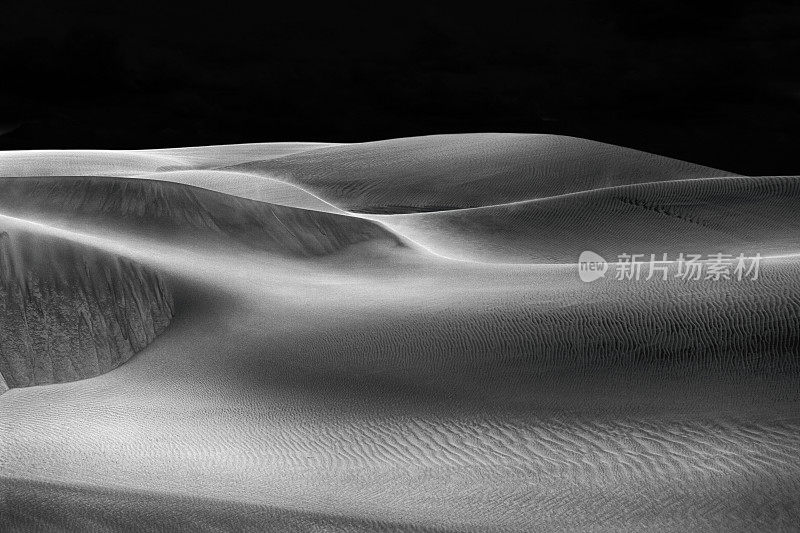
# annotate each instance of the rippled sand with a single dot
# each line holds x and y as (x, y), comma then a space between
(393, 336)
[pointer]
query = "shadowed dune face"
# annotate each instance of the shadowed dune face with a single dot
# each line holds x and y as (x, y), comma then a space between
(161, 206)
(68, 312)
(39, 506)
(247, 186)
(333, 370)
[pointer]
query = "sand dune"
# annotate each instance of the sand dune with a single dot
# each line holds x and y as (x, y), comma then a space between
(728, 215)
(82, 163)
(457, 171)
(339, 371)
(149, 206)
(249, 186)
(68, 312)
(33, 163)
(210, 157)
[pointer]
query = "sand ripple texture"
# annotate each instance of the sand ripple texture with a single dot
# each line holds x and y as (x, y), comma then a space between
(160, 207)
(393, 336)
(456, 171)
(730, 215)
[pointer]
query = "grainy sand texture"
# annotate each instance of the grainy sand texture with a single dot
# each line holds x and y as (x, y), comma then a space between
(393, 336)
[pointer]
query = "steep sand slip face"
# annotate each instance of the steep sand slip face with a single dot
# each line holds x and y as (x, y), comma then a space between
(457, 171)
(715, 215)
(69, 312)
(323, 373)
(249, 186)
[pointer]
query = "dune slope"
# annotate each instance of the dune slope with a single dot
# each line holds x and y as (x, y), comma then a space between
(715, 215)
(457, 171)
(150, 206)
(34, 163)
(441, 370)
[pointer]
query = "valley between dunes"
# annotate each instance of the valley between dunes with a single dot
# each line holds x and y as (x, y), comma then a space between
(393, 336)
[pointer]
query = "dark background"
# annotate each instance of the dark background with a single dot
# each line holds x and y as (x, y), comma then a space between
(713, 83)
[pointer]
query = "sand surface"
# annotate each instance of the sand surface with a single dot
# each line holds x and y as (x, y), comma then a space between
(393, 336)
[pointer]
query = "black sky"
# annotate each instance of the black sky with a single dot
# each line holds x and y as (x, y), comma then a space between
(713, 83)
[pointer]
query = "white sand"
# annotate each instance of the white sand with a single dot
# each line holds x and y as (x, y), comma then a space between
(324, 372)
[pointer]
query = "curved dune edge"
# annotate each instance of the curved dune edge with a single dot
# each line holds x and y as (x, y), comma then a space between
(438, 172)
(709, 215)
(215, 156)
(118, 163)
(159, 207)
(443, 172)
(70, 312)
(316, 369)
(247, 186)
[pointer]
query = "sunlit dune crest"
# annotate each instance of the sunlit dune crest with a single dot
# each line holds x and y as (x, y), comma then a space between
(393, 336)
